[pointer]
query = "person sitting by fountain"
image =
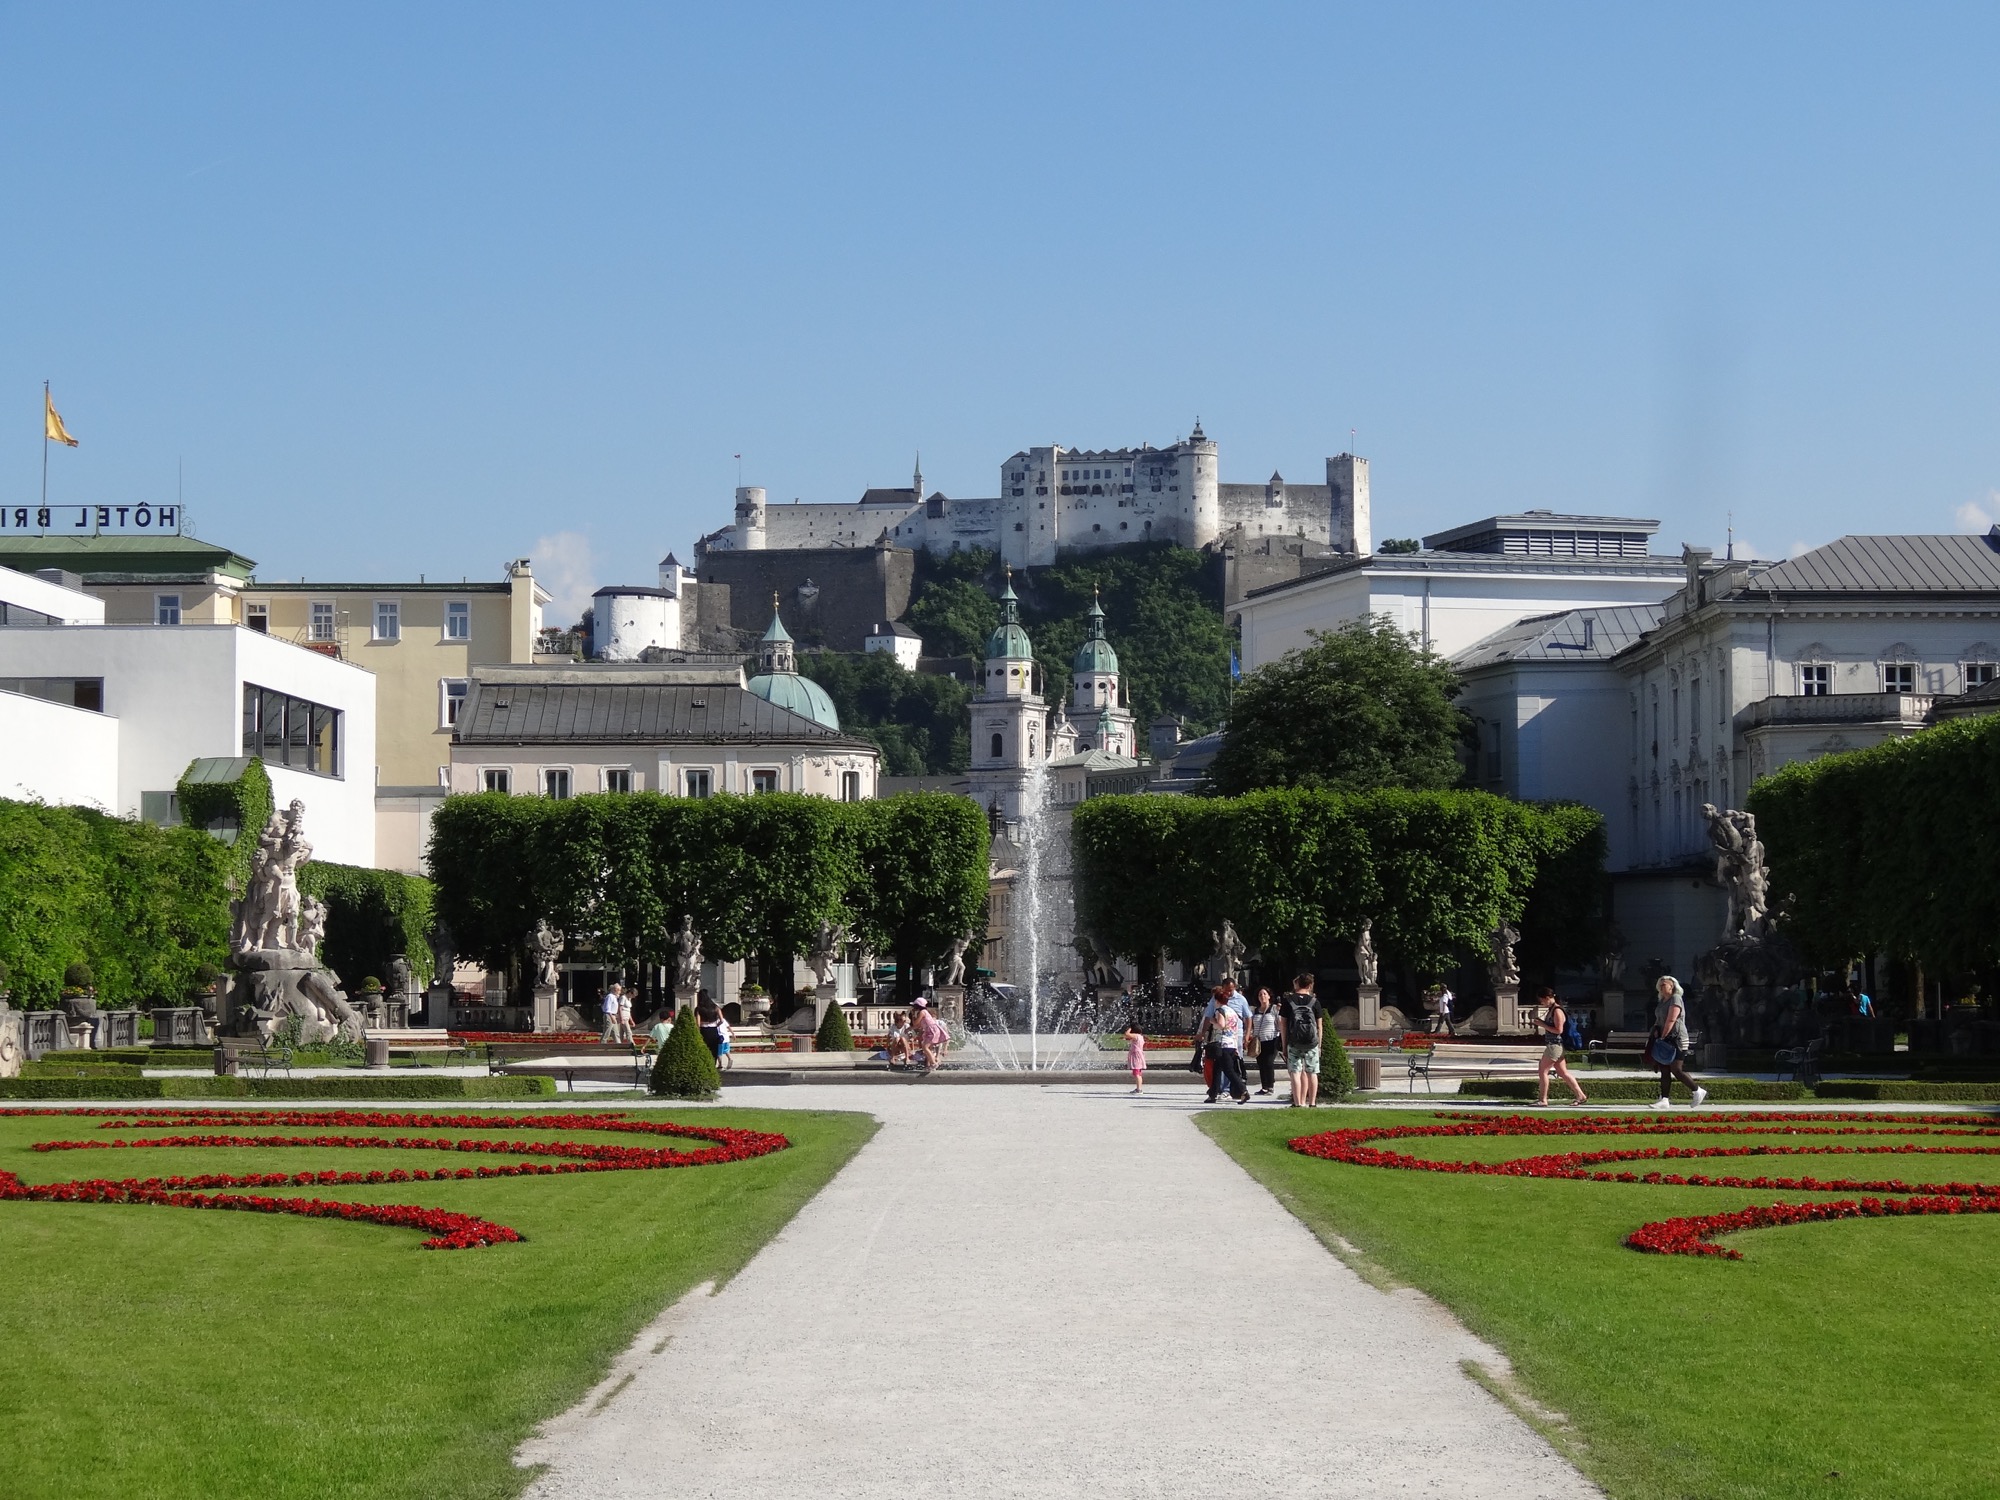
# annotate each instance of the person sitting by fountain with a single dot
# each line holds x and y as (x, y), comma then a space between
(899, 1041)
(932, 1038)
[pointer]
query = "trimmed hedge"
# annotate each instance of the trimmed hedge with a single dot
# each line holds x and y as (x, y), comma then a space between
(1336, 1070)
(60, 1065)
(684, 1068)
(1911, 1089)
(835, 1035)
(513, 1086)
(1625, 1090)
(371, 916)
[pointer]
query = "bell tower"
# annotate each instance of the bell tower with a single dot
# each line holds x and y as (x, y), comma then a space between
(1102, 721)
(1010, 719)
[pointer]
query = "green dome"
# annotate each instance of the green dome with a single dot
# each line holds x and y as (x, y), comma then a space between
(1009, 640)
(799, 694)
(1095, 656)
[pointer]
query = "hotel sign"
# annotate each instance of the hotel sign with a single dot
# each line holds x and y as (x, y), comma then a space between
(91, 518)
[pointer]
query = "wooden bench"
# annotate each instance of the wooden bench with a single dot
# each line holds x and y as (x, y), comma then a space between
(1600, 1050)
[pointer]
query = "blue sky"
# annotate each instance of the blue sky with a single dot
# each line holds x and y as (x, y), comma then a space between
(416, 289)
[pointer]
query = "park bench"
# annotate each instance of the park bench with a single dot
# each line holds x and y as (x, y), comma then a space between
(264, 1058)
(1803, 1061)
(1418, 1061)
(1600, 1050)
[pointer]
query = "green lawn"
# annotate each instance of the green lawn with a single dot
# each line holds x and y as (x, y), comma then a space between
(165, 1352)
(1864, 1349)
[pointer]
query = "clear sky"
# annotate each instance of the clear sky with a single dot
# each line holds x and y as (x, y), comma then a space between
(412, 289)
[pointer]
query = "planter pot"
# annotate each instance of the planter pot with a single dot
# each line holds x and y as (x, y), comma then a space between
(79, 1007)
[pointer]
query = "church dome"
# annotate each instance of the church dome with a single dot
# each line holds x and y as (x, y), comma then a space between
(799, 694)
(1009, 639)
(1095, 654)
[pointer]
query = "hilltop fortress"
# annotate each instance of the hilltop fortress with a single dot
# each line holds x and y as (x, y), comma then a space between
(1061, 499)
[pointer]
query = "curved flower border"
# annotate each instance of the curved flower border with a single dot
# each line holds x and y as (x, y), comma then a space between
(447, 1230)
(1697, 1235)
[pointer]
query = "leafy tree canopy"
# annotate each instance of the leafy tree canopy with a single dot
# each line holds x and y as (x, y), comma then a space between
(918, 719)
(1363, 706)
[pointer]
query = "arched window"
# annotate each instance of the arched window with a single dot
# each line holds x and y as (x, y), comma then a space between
(996, 747)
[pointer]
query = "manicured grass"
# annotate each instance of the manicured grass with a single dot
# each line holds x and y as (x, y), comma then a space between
(1865, 1348)
(167, 1352)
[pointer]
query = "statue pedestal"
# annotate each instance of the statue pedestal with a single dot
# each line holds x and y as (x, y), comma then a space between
(950, 1002)
(1370, 1008)
(1614, 1008)
(437, 1004)
(823, 997)
(545, 1007)
(1507, 1008)
(685, 997)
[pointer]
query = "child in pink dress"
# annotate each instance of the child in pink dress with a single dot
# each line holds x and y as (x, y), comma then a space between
(1135, 1058)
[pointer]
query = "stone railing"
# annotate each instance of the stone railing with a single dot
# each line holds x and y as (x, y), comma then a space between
(1837, 708)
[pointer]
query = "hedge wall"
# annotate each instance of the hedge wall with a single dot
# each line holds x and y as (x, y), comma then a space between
(144, 907)
(1892, 849)
(756, 874)
(245, 802)
(1434, 871)
(371, 916)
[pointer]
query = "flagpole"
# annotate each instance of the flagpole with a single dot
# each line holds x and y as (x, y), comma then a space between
(46, 398)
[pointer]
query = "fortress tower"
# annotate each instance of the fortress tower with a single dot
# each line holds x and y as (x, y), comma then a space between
(751, 533)
(1347, 485)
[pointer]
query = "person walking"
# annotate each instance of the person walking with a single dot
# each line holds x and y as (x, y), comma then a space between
(1444, 1000)
(611, 1014)
(1135, 1057)
(709, 1015)
(1223, 996)
(625, 1017)
(1224, 1029)
(1267, 1029)
(1305, 1030)
(1553, 1021)
(722, 1035)
(1670, 1044)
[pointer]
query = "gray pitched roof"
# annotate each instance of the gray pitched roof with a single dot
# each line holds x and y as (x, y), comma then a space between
(1570, 635)
(1890, 565)
(514, 713)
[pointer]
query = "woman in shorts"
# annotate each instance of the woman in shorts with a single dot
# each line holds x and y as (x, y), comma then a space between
(1550, 1018)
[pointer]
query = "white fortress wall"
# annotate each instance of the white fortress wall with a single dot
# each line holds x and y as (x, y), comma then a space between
(1278, 509)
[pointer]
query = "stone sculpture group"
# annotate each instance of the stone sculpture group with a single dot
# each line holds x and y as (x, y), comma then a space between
(274, 935)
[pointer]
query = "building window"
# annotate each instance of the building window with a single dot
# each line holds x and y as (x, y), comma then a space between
(257, 617)
(498, 779)
(72, 692)
(555, 782)
(458, 620)
(321, 628)
(996, 747)
(166, 609)
(451, 699)
(1815, 681)
(292, 732)
(762, 782)
(388, 619)
(699, 783)
(162, 808)
(1981, 673)
(1899, 677)
(618, 781)
(850, 786)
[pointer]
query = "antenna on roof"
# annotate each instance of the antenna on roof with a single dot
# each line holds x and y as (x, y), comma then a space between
(1729, 550)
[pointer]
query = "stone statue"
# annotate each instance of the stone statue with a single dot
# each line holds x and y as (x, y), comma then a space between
(312, 924)
(1740, 870)
(268, 914)
(687, 963)
(444, 953)
(954, 973)
(1505, 969)
(402, 983)
(1365, 962)
(826, 952)
(545, 947)
(1611, 963)
(1228, 955)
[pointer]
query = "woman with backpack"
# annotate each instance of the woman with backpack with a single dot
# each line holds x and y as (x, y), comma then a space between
(1267, 1028)
(1553, 1021)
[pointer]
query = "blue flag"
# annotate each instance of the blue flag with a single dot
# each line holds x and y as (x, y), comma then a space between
(1235, 666)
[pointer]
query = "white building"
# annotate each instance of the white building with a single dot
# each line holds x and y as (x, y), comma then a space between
(628, 620)
(1469, 583)
(134, 704)
(1056, 499)
(897, 640)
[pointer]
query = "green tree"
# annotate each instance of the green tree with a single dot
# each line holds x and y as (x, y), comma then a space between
(918, 884)
(685, 1069)
(918, 719)
(371, 916)
(1363, 706)
(483, 855)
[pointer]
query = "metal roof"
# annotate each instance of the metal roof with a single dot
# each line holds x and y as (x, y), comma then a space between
(511, 713)
(1890, 565)
(1594, 634)
(134, 553)
(1469, 564)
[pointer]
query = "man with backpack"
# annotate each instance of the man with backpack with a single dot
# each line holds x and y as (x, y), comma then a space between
(1305, 1028)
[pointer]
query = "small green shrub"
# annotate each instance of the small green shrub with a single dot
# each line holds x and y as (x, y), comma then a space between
(77, 977)
(1336, 1068)
(684, 1069)
(835, 1035)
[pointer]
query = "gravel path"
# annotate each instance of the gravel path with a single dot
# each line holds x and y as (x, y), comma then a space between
(1029, 1292)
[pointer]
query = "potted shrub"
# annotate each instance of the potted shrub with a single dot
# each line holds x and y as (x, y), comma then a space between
(79, 991)
(207, 988)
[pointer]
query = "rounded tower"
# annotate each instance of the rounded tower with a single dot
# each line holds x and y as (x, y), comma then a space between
(1202, 513)
(750, 533)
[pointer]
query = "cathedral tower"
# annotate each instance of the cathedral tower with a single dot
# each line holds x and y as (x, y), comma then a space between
(1010, 720)
(1102, 721)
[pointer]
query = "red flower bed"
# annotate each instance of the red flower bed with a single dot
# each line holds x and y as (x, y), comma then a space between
(448, 1231)
(1695, 1236)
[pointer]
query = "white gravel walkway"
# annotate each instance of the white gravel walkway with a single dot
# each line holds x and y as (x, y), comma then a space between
(1042, 1292)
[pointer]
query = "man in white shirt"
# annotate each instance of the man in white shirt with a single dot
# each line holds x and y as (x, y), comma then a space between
(611, 997)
